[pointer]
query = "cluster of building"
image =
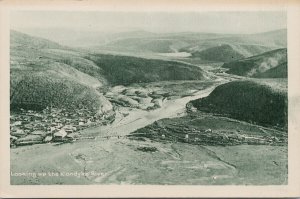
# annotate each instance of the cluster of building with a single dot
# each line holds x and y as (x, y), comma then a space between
(209, 137)
(51, 125)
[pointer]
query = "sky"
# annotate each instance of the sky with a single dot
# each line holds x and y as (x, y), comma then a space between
(214, 22)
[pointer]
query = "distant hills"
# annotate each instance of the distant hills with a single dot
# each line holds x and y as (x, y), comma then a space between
(44, 72)
(272, 64)
(201, 44)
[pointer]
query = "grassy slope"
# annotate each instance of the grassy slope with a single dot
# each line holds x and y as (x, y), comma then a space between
(223, 53)
(29, 52)
(127, 70)
(39, 90)
(23, 40)
(260, 101)
(41, 77)
(268, 65)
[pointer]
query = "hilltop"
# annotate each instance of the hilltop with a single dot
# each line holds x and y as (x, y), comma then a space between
(222, 53)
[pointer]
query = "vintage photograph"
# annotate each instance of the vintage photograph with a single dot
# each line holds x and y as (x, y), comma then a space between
(148, 97)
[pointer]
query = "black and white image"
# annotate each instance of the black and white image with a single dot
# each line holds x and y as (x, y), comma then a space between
(148, 98)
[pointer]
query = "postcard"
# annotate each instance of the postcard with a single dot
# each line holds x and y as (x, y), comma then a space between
(150, 99)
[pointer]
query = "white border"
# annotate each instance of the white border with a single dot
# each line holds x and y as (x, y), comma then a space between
(290, 190)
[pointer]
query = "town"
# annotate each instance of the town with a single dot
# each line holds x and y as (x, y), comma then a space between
(52, 125)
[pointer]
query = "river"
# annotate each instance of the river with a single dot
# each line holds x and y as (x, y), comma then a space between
(140, 118)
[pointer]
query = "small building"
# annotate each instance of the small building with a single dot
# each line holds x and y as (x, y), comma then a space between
(48, 138)
(60, 134)
(69, 128)
(18, 133)
(38, 132)
(186, 137)
(17, 123)
(208, 131)
(51, 129)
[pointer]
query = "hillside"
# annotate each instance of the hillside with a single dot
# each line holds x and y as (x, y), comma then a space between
(124, 70)
(243, 45)
(19, 39)
(222, 53)
(272, 64)
(44, 73)
(259, 101)
(38, 90)
(43, 67)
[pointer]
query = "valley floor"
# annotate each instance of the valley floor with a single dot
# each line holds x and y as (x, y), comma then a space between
(112, 158)
(119, 161)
